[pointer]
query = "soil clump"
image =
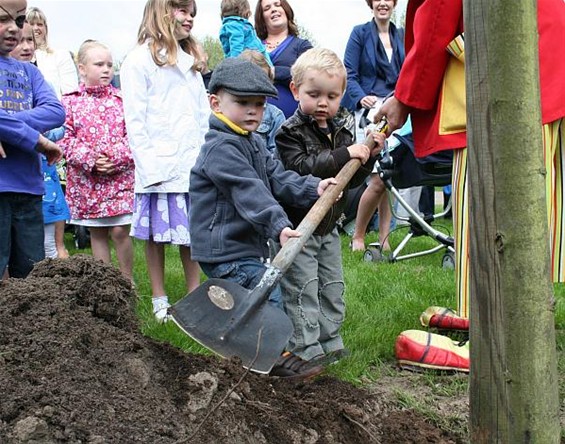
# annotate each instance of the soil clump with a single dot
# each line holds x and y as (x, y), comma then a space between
(75, 368)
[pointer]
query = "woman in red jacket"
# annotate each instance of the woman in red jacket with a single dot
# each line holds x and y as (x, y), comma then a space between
(430, 26)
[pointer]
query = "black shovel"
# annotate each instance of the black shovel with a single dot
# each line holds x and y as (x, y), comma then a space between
(233, 321)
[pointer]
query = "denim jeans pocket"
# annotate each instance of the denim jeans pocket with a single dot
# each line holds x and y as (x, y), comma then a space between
(230, 271)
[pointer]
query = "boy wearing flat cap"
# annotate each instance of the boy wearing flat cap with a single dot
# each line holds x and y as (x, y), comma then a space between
(236, 187)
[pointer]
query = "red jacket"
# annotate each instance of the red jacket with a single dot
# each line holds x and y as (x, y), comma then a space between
(551, 26)
(430, 26)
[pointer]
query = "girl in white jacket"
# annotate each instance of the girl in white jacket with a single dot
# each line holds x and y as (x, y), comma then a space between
(166, 112)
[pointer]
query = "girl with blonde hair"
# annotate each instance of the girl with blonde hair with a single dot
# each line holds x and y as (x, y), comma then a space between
(99, 161)
(166, 113)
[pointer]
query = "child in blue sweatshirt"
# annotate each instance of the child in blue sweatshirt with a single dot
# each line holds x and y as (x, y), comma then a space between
(28, 107)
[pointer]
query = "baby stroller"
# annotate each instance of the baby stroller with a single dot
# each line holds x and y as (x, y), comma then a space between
(399, 168)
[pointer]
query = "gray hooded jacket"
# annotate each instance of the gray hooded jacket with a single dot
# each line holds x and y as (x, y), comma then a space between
(235, 190)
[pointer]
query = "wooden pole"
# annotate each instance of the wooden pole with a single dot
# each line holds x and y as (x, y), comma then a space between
(513, 382)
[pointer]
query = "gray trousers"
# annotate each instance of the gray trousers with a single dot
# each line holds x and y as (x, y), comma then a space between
(313, 290)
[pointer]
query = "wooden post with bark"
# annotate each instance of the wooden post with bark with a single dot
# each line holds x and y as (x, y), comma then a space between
(513, 381)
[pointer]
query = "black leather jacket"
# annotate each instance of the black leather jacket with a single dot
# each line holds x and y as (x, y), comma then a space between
(303, 147)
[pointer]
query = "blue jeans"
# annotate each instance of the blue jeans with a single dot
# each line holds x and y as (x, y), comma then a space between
(21, 233)
(246, 271)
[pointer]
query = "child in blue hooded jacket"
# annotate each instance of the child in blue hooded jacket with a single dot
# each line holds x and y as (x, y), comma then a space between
(237, 33)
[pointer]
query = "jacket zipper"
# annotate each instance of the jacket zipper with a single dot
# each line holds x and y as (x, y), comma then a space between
(213, 221)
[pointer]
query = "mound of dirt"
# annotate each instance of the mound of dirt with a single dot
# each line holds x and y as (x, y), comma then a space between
(74, 368)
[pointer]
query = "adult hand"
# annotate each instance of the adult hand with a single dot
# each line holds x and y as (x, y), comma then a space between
(2, 152)
(395, 112)
(368, 101)
(287, 233)
(50, 150)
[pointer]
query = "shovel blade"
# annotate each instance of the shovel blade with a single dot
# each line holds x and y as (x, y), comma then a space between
(258, 336)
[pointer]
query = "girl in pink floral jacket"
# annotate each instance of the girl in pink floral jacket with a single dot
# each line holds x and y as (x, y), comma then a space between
(100, 168)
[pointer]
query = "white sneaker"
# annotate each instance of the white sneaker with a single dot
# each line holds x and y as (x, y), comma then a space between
(160, 306)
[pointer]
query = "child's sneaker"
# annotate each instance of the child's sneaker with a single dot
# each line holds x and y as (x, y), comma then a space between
(291, 366)
(329, 358)
(160, 307)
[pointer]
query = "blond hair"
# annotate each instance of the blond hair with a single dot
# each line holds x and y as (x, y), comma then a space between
(86, 46)
(318, 59)
(239, 8)
(35, 15)
(158, 28)
(259, 59)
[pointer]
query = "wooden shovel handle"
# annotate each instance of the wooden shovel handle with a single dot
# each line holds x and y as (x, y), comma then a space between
(292, 247)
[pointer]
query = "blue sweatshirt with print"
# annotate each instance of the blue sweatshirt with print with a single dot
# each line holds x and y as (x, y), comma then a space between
(28, 107)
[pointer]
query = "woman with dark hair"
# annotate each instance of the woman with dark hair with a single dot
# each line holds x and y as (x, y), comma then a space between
(275, 26)
(373, 58)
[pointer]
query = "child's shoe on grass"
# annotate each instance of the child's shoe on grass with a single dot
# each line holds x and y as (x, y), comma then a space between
(160, 306)
(291, 366)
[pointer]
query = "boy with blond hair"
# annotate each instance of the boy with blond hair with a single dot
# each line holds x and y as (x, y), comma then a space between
(318, 139)
(236, 188)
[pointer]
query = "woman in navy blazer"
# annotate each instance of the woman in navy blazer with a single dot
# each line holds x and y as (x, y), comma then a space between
(370, 71)
(373, 57)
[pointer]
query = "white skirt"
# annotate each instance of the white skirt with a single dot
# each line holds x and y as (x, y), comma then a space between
(114, 221)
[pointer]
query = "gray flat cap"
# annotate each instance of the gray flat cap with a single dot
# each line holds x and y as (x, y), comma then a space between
(241, 78)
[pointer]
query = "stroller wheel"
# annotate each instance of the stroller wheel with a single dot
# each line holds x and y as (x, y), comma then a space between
(373, 254)
(448, 261)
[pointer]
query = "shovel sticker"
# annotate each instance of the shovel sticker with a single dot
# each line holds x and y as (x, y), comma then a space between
(220, 297)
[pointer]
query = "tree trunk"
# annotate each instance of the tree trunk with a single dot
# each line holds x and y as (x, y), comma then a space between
(513, 382)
